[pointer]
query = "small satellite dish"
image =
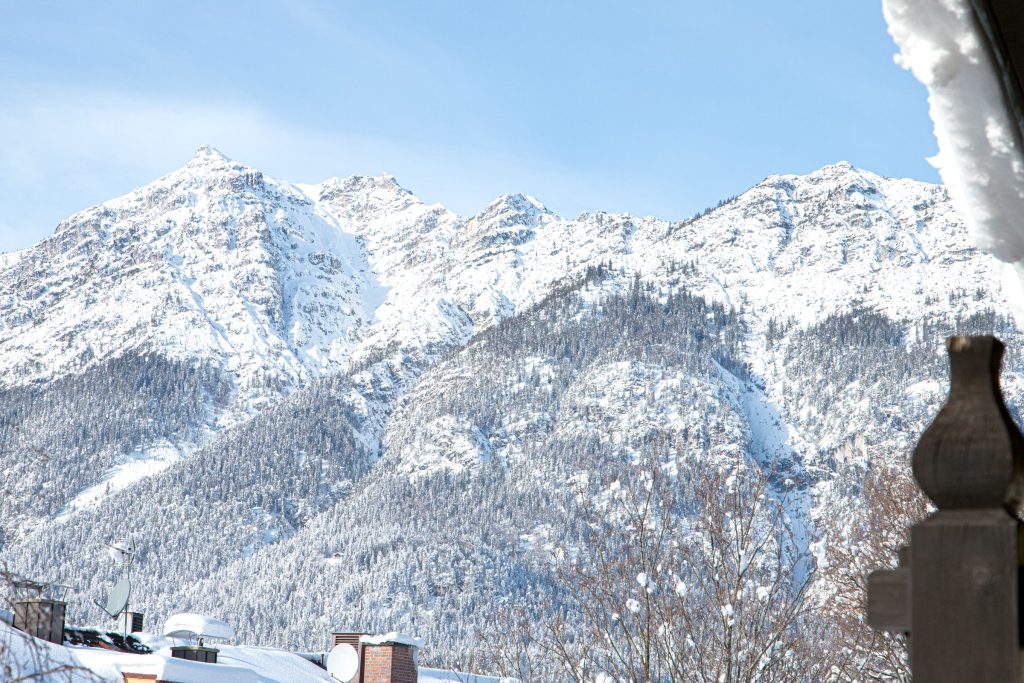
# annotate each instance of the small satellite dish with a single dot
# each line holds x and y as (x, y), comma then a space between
(343, 663)
(117, 601)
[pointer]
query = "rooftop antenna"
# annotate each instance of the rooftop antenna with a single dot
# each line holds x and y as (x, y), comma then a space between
(25, 588)
(342, 663)
(36, 608)
(123, 554)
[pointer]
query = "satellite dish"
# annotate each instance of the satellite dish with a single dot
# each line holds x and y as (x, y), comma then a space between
(343, 663)
(117, 601)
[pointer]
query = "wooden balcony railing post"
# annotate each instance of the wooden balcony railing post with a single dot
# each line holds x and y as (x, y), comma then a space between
(958, 592)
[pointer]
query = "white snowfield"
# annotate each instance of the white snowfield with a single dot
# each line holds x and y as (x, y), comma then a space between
(136, 465)
(281, 284)
(234, 665)
(979, 157)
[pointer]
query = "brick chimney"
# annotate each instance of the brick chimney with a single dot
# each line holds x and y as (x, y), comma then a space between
(389, 658)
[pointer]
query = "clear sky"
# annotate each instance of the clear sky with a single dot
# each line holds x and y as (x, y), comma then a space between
(637, 106)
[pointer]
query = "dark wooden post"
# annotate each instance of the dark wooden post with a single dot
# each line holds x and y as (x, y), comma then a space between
(957, 591)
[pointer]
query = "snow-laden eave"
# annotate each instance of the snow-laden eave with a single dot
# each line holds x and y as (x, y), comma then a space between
(980, 158)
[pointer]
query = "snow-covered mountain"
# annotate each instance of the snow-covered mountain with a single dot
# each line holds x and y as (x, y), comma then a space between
(341, 368)
(280, 284)
(213, 262)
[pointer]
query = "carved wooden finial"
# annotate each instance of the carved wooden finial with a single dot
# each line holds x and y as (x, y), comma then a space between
(972, 455)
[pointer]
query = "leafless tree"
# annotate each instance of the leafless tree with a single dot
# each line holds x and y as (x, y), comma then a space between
(693, 577)
(743, 616)
(866, 534)
(512, 645)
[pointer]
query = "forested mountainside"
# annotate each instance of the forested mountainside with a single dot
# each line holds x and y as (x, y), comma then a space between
(65, 443)
(333, 406)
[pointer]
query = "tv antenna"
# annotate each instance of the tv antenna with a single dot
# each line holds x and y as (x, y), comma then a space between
(342, 663)
(123, 554)
(27, 589)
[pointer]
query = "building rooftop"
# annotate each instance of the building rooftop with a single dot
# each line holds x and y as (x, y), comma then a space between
(108, 656)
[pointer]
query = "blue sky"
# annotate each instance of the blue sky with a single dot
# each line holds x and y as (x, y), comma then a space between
(648, 107)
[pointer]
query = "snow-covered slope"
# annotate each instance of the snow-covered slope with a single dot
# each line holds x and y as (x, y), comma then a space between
(415, 389)
(213, 262)
(217, 260)
(280, 284)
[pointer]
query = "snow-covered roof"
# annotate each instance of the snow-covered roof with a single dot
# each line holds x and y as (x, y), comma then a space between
(166, 668)
(979, 157)
(440, 676)
(189, 625)
(235, 663)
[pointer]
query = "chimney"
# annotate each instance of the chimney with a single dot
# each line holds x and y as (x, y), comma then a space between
(195, 653)
(41, 617)
(196, 626)
(389, 658)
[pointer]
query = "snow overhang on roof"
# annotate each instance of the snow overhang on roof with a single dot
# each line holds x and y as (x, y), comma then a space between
(391, 638)
(970, 76)
(188, 625)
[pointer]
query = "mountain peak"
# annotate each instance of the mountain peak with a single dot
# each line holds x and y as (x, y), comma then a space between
(517, 202)
(841, 165)
(362, 182)
(841, 172)
(384, 184)
(206, 156)
(512, 209)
